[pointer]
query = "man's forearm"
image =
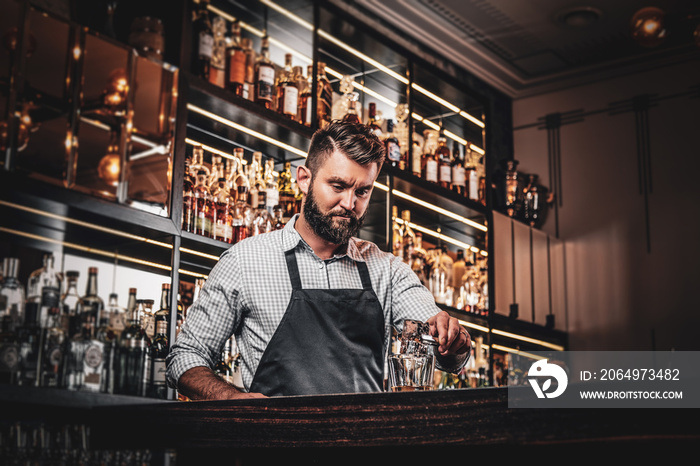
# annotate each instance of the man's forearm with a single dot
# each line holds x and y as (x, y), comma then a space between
(201, 383)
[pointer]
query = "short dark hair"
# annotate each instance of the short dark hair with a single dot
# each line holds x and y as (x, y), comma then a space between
(356, 141)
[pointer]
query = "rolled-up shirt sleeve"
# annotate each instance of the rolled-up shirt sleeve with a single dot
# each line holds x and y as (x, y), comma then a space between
(410, 299)
(210, 321)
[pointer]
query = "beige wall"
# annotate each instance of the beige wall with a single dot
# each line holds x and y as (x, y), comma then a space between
(618, 295)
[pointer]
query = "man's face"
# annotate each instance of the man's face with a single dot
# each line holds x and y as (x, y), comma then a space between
(337, 198)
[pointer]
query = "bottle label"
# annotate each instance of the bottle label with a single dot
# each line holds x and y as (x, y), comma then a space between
(473, 185)
(158, 369)
(445, 173)
(206, 45)
(459, 176)
(266, 82)
(416, 158)
(236, 70)
(50, 296)
(273, 198)
(92, 367)
(290, 100)
(393, 152)
(9, 357)
(223, 232)
(431, 170)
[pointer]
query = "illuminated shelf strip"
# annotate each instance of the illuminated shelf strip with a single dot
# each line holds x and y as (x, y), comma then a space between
(528, 339)
(444, 238)
(514, 336)
(515, 351)
(432, 207)
(111, 231)
(100, 252)
(480, 328)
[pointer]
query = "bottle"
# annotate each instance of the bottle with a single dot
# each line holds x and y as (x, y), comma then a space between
(235, 61)
(264, 76)
(513, 197)
(278, 221)
(372, 121)
(222, 225)
(429, 163)
(262, 221)
(157, 386)
(419, 258)
(306, 99)
(12, 295)
(116, 315)
(148, 319)
(351, 115)
(85, 359)
(134, 346)
(325, 97)
(180, 316)
(256, 179)
(203, 36)
(471, 175)
(198, 163)
(163, 313)
(91, 304)
(241, 213)
(52, 353)
(408, 241)
(217, 68)
(188, 199)
(417, 161)
(287, 90)
(286, 192)
(106, 335)
(458, 269)
(44, 288)
(393, 150)
(29, 336)
(272, 195)
(217, 171)
(9, 351)
(459, 179)
(202, 205)
(224, 368)
(396, 234)
(444, 163)
(250, 57)
(342, 106)
(71, 302)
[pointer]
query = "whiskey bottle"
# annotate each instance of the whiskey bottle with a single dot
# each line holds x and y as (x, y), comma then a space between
(286, 192)
(12, 295)
(217, 69)
(408, 240)
(180, 316)
(287, 90)
(222, 224)
(459, 180)
(429, 163)
(188, 199)
(157, 386)
(52, 354)
(325, 96)
(133, 350)
(351, 115)
(198, 163)
(203, 41)
(396, 234)
(217, 171)
(264, 76)
(91, 304)
(235, 62)
(372, 120)
(44, 288)
(472, 175)
(85, 359)
(106, 335)
(444, 163)
(29, 336)
(163, 313)
(116, 315)
(272, 196)
(224, 368)
(417, 160)
(256, 179)
(458, 269)
(393, 149)
(278, 221)
(71, 302)
(300, 80)
(306, 99)
(9, 351)
(250, 58)
(262, 221)
(148, 319)
(202, 205)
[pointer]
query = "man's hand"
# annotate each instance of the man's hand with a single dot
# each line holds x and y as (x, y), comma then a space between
(201, 383)
(451, 337)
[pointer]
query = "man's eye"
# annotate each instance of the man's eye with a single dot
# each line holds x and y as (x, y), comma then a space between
(362, 192)
(337, 187)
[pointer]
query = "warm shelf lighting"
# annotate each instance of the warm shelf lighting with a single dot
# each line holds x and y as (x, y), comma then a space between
(480, 328)
(515, 336)
(516, 351)
(445, 238)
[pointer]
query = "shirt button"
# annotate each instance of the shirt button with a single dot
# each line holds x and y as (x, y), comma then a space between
(320, 266)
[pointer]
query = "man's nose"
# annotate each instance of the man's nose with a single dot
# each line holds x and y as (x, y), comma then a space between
(347, 202)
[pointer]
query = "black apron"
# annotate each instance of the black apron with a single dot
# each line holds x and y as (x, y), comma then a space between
(328, 341)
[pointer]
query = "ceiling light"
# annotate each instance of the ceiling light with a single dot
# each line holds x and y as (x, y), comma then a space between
(579, 16)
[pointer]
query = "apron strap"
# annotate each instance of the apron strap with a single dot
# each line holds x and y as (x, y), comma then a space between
(293, 269)
(364, 275)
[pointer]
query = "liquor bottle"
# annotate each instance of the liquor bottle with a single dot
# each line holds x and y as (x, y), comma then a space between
(352, 115)
(419, 258)
(203, 45)
(347, 99)
(306, 99)
(157, 386)
(372, 121)
(325, 96)
(202, 205)
(198, 163)
(298, 197)
(417, 165)
(222, 225)
(235, 61)
(272, 195)
(393, 149)
(188, 199)
(401, 131)
(408, 240)
(513, 196)
(85, 359)
(133, 351)
(44, 288)
(256, 179)
(180, 316)
(484, 290)
(241, 211)
(105, 334)
(217, 69)
(224, 368)
(217, 171)
(250, 58)
(91, 304)
(458, 269)
(52, 354)
(264, 76)
(262, 221)
(9, 351)
(287, 90)
(116, 315)
(286, 192)
(429, 164)
(444, 163)
(71, 302)
(459, 179)
(396, 234)
(278, 221)
(163, 313)
(472, 176)
(12, 296)
(29, 336)
(148, 319)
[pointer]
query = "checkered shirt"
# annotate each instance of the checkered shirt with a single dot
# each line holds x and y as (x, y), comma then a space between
(248, 291)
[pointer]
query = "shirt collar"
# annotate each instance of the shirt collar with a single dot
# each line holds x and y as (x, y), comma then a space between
(291, 239)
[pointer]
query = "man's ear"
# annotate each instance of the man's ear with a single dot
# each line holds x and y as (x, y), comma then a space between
(303, 178)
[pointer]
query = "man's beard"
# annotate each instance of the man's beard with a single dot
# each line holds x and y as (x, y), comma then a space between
(329, 229)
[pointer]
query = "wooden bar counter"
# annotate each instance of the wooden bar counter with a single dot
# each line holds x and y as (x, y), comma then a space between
(422, 423)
